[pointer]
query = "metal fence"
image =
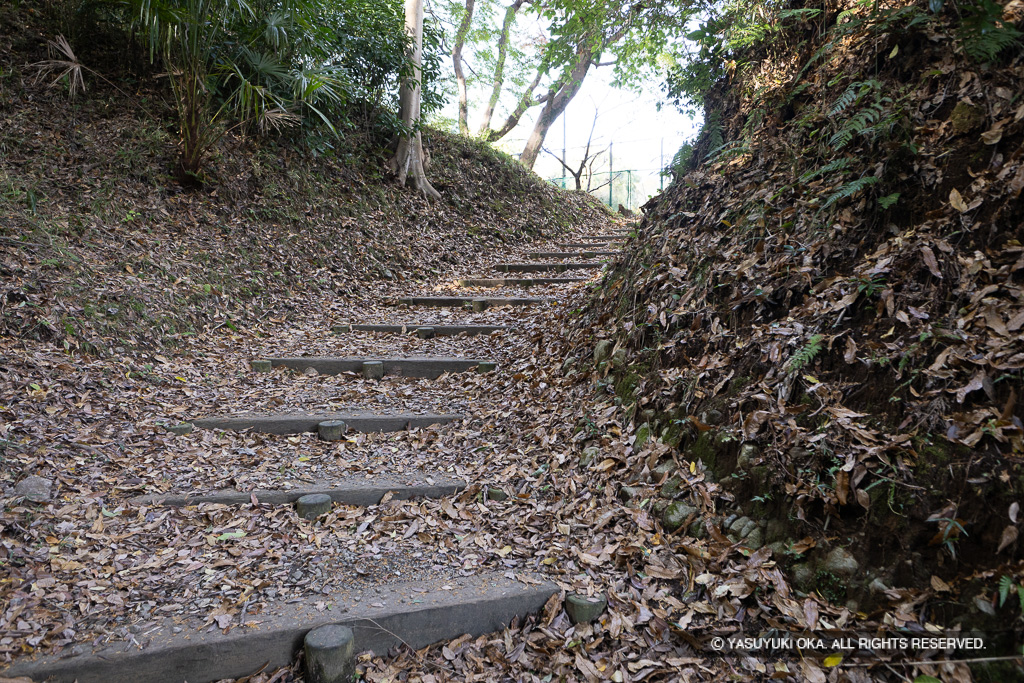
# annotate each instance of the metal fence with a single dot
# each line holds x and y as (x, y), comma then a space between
(612, 188)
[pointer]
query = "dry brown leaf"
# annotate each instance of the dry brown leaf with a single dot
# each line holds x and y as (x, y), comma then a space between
(956, 201)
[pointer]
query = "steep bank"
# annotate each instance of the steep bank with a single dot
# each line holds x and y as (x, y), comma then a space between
(825, 315)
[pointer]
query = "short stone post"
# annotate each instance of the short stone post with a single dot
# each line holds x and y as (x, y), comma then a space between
(332, 430)
(330, 654)
(479, 305)
(262, 366)
(486, 366)
(181, 429)
(583, 609)
(425, 332)
(313, 505)
(341, 329)
(373, 369)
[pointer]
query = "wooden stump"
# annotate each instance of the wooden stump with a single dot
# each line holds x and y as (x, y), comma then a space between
(313, 505)
(479, 305)
(330, 654)
(332, 430)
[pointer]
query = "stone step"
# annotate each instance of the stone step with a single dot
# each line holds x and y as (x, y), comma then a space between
(421, 366)
(572, 254)
(414, 613)
(297, 423)
(484, 302)
(347, 491)
(603, 238)
(581, 245)
(541, 267)
(438, 330)
(518, 281)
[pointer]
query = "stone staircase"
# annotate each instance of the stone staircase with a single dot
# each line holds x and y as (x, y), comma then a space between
(430, 609)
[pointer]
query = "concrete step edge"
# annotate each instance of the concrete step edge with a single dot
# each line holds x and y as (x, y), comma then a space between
(417, 614)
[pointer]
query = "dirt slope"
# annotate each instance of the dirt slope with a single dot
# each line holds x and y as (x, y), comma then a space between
(828, 313)
(100, 248)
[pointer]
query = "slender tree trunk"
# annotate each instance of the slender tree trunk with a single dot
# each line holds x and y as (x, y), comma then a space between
(499, 73)
(409, 159)
(460, 76)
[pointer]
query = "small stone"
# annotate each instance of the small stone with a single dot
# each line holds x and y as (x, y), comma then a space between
(35, 489)
(262, 366)
(803, 575)
(330, 654)
(425, 332)
(659, 472)
(602, 350)
(628, 493)
(738, 524)
(341, 329)
(841, 563)
(479, 305)
(676, 514)
(313, 505)
(877, 586)
(697, 529)
(494, 493)
(583, 609)
(373, 369)
(747, 457)
(181, 429)
(755, 539)
(748, 528)
(485, 366)
(712, 417)
(671, 487)
(332, 430)
(590, 455)
(619, 358)
(778, 549)
(643, 434)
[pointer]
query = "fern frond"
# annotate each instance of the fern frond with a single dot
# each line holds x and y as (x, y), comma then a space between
(831, 167)
(803, 357)
(849, 189)
(1005, 584)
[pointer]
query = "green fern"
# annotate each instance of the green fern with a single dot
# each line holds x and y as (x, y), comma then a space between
(1005, 586)
(728, 150)
(888, 200)
(804, 356)
(984, 33)
(863, 122)
(831, 167)
(849, 189)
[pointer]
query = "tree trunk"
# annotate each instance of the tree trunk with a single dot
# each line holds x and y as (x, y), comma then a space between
(499, 74)
(555, 102)
(460, 76)
(408, 162)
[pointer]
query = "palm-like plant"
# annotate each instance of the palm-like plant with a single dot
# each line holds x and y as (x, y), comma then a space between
(235, 64)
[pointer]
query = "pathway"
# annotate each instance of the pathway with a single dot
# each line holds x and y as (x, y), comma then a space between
(447, 334)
